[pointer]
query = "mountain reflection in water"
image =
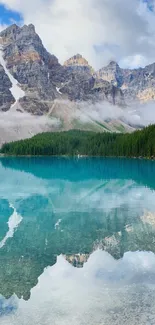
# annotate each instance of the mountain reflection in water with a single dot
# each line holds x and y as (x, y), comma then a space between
(73, 208)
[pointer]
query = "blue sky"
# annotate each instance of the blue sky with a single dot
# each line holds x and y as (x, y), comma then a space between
(8, 16)
(149, 3)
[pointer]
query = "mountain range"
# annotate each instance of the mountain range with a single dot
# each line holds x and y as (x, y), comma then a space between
(33, 82)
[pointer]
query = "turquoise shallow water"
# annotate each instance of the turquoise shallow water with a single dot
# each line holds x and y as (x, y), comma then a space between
(56, 214)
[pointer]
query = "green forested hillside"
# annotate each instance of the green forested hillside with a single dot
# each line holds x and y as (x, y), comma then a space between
(140, 143)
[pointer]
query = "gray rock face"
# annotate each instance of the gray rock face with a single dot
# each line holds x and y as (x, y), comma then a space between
(85, 85)
(139, 83)
(28, 60)
(78, 64)
(6, 98)
(44, 80)
(34, 106)
(104, 90)
(136, 84)
(79, 86)
(42, 77)
(112, 73)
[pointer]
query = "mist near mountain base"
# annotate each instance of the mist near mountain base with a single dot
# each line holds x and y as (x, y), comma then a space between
(15, 125)
(136, 115)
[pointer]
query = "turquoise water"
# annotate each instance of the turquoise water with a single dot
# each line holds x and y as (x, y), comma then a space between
(56, 214)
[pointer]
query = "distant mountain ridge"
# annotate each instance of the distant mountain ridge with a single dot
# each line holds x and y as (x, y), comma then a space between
(32, 81)
(42, 77)
(136, 84)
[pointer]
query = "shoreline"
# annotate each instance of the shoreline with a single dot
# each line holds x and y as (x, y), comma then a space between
(75, 156)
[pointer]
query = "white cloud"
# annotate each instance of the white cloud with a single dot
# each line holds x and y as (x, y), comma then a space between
(15, 125)
(122, 30)
(104, 291)
(137, 114)
(134, 61)
(2, 27)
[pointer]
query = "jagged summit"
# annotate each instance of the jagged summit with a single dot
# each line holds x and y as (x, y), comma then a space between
(111, 73)
(11, 27)
(42, 78)
(77, 59)
(113, 64)
(47, 85)
(136, 84)
(78, 63)
(31, 27)
(10, 31)
(15, 29)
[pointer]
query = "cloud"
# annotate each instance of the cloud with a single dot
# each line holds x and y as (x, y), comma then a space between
(16, 126)
(2, 27)
(78, 196)
(136, 115)
(134, 61)
(8, 16)
(104, 291)
(99, 29)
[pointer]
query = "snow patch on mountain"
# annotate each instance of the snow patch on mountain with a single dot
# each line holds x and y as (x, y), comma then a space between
(16, 91)
(58, 90)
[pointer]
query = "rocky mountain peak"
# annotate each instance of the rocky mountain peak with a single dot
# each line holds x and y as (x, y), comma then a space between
(33, 81)
(30, 65)
(77, 60)
(25, 35)
(30, 28)
(136, 84)
(10, 31)
(14, 29)
(113, 64)
(78, 63)
(111, 73)
(42, 78)
(23, 45)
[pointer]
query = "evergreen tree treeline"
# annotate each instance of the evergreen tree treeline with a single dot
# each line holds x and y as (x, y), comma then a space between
(140, 143)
